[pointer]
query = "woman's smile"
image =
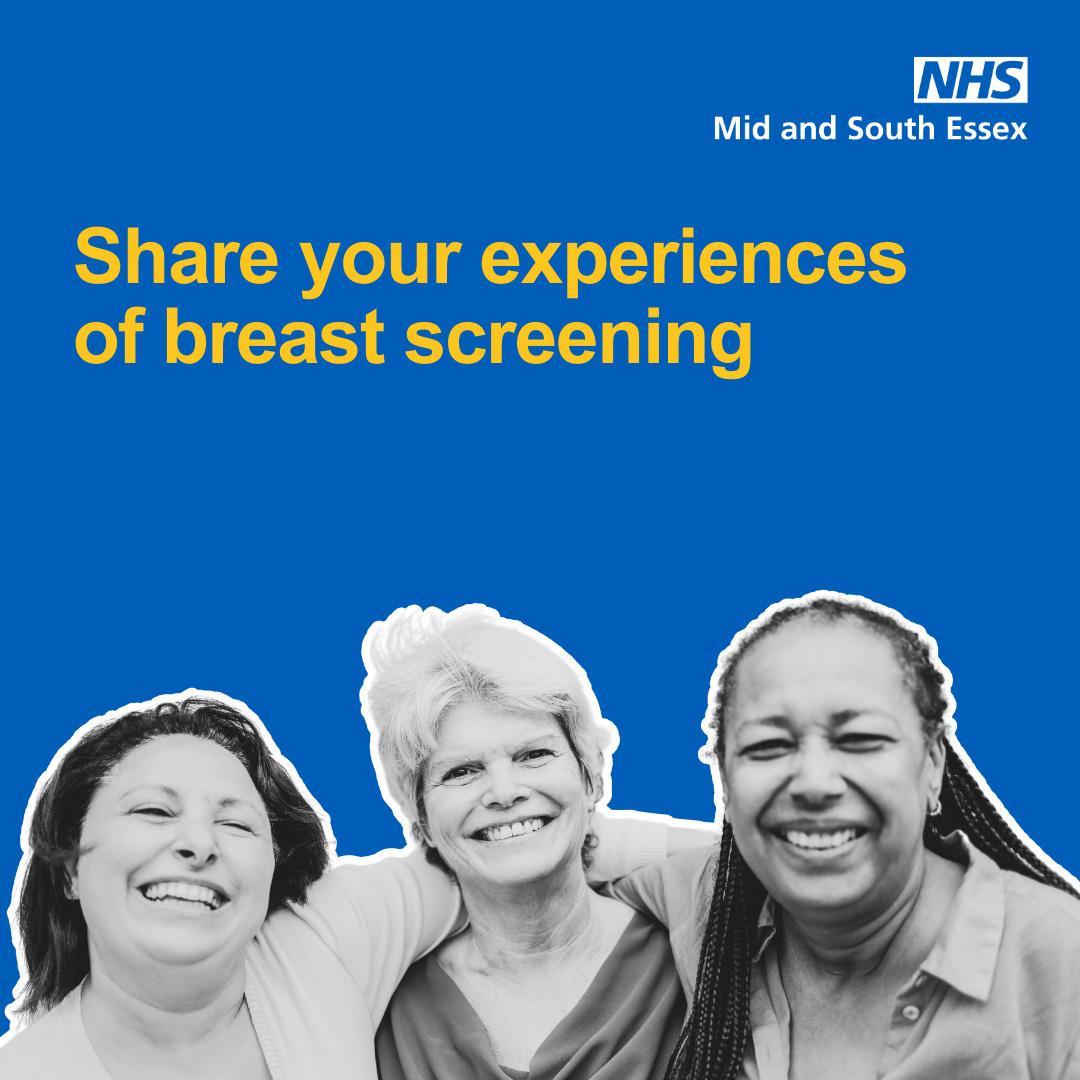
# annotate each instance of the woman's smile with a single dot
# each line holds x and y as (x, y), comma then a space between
(504, 796)
(177, 856)
(820, 841)
(185, 895)
(521, 827)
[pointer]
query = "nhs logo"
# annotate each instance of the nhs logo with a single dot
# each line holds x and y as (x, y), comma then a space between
(996, 80)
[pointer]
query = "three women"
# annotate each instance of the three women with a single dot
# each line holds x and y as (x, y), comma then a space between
(841, 928)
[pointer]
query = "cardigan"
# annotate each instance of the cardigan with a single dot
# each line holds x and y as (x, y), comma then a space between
(319, 975)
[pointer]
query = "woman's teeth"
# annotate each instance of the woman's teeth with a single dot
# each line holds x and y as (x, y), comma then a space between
(818, 841)
(183, 891)
(517, 828)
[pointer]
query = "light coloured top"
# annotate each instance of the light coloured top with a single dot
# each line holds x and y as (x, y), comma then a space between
(997, 997)
(319, 976)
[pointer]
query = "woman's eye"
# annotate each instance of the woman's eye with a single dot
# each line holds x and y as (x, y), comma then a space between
(459, 774)
(860, 742)
(243, 826)
(152, 811)
(535, 757)
(766, 750)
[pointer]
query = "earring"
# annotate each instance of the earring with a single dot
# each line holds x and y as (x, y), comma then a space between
(935, 806)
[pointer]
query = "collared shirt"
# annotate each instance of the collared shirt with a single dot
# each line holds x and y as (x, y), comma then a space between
(997, 997)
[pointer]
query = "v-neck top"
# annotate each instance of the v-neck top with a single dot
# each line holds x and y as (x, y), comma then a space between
(624, 1027)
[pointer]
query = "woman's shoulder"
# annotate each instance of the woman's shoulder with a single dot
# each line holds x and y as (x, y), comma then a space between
(53, 1047)
(1042, 914)
(671, 889)
(1036, 976)
(1004, 903)
(1013, 944)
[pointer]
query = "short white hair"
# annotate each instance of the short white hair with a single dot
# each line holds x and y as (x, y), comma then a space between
(423, 663)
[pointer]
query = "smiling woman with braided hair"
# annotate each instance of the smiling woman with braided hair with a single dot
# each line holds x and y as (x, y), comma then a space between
(869, 912)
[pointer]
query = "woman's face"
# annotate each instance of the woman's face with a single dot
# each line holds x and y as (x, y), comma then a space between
(826, 770)
(176, 858)
(504, 795)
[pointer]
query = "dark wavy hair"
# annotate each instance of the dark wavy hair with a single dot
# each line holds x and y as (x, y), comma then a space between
(52, 928)
(713, 1042)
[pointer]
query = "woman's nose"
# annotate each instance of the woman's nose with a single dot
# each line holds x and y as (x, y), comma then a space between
(196, 843)
(503, 787)
(817, 778)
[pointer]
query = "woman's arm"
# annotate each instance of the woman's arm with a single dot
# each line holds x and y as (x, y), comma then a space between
(630, 839)
(380, 913)
(676, 890)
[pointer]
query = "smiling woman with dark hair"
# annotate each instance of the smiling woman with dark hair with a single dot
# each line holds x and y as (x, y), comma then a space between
(175, 918)
(869, 913)
(100, 798)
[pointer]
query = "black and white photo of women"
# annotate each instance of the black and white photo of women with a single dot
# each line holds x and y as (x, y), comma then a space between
(866, 908)
(871, 912)
(179, 909)
(492, 744)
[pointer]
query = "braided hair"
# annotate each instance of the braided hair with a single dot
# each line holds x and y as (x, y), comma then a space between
(713, 1041)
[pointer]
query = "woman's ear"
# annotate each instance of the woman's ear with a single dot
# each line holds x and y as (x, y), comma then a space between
(420, 831)
(935, 751)
(719, 776)
(71, 880)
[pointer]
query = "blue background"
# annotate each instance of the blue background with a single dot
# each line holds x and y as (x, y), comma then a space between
(237, 528)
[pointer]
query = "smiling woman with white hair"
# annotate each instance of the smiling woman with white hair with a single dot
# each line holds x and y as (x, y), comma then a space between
(492, 744)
